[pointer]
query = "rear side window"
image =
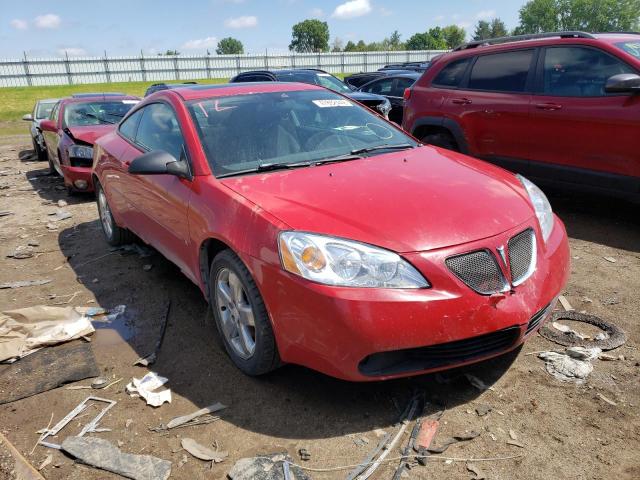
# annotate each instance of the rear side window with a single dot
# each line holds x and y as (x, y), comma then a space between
(254, 78)
(452, 74)
(159, 130)
(129, 126)
(401, 85)
(501, 72)
(579, 71)
(380, 87)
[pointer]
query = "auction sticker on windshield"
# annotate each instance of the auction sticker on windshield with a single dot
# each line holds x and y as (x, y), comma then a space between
(130, 102)
(332, 103)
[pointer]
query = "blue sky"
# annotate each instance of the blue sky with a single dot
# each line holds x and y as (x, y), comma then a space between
(125, 27)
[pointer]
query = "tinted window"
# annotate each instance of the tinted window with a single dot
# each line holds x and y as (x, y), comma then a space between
(128, 127)
(579, 72)
(501, 72)
(632, 48)
(44, 109)
(380, 87)
(159, 130)
(401, 85)
(452, 74)
(240, 132)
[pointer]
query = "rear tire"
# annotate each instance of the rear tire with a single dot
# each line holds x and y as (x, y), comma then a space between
(113, 234)
(241, 316)
(52, 168)
(40, 153)
(442, 140)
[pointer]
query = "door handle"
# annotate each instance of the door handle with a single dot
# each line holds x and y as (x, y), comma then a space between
(461, 101)
(549, 106)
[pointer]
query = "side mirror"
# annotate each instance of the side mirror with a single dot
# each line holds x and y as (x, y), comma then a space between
(28, 117)
(48, 125)
(623, 83)
(159, 162)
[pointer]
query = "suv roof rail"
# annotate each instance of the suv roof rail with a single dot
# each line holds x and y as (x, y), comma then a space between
(518, 38)
(620, 33)
(98, 94)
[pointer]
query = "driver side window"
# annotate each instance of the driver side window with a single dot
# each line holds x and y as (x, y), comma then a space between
(159, 130)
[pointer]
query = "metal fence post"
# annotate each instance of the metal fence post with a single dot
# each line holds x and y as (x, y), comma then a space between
(176, 69)
(67, 68)
(293, 60)
(25, 64)
(238, 64)
(342, 63)
(106, 67)
(319, 63)
(408, 55)
(364, 61)
(266, 60)
(208, 62)
(142, 69)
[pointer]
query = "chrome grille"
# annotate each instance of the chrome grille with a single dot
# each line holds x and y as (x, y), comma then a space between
(522, 256)
(479, 271)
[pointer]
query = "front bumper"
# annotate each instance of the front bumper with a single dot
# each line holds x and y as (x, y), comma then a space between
(77, 178)
(339, 330)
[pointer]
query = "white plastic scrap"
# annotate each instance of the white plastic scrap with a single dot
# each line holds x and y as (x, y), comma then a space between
(145, 388)
(573, 365)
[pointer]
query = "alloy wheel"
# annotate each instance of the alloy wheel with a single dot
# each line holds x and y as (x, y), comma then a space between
(105, 214)
(236, 313)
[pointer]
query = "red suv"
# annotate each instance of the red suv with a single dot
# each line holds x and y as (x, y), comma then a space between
(557, 107)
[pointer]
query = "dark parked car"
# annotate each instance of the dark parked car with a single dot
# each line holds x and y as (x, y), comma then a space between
(562, 108)
(156, 87)
(357, 80)
(314, 76)
(392, 87)
(415, 66)
(41, 111)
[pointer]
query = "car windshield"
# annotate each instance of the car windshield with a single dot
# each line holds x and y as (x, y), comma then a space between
(325, 80)
(247, 133)
(44, 109)
(80, 114)
(632, 48)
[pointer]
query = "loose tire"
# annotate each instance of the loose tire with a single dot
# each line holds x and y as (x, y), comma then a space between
(442, 140)
(113, 234)
(241, 316)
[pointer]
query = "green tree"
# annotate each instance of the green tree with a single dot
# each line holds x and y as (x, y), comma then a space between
(170, 53)
(229, 46)
(394, 42)
(431, 40)
(337, 45)
(498, 28)
(454, 35)
(350, 47)
(538, 16)
(310, 36)
(483, 30)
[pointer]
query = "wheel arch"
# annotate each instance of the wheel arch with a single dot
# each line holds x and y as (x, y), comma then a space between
(209, 248)
(427, 125)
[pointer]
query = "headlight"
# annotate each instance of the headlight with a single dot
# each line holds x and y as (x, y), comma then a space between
(541, 206)
(80, 151)
(334, 261)
(385, 107)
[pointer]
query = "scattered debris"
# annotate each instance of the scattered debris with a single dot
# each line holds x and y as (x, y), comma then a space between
(104, 455)
(47, 460)
(47, 369)
(151, 359)
(465, 437)
(606, 400)
(610, 259)
(479, 474)
(145, 388)
(62, 203)
(476, 382)
(99, 383)
(304, 454)
(24, 330)
(565, 303)
(428, 429)
(52, 226)
(128, 422)
(573, 365)
(568, 330)
(5, 213)
(512, 435)
(616, 336)
(182, 461)
(147, 267)
(21, 252)
(515, 443)
(22, 469)
(483, 410)
(90, 427)
(25, 283)
(202, 452)
(187, 420)
(265, 467)
(60, 215)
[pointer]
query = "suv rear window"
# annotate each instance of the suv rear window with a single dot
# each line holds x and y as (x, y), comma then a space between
(452, 74)
(501, 72)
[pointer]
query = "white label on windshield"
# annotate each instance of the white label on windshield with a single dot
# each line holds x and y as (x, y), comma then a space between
(324, 75)
(130, 102)
(332, 103)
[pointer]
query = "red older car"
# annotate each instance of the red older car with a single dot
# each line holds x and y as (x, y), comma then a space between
(73, 126)
(323, 235)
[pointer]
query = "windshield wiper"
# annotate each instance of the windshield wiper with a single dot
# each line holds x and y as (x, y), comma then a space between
(100, 119)
(400, 146)
(268, 167)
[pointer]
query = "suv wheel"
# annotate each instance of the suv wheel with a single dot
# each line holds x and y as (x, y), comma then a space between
(241, 316)
(442, 140)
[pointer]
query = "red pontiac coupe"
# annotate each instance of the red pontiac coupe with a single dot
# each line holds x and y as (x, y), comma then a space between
(72, 127)
(323, 235)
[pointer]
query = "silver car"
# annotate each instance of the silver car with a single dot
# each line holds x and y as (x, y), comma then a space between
(41, 111)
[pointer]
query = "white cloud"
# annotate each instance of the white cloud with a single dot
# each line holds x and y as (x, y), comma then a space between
(316, 13)
(49, 20)
(352, 9)
(72, 52)
(464, 25)
(248, 21)
(439, 18)
(486, 14)
(200, 43)
(19, 24)
(385, 12)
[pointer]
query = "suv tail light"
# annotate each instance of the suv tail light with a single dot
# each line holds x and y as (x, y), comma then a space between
(407, 94)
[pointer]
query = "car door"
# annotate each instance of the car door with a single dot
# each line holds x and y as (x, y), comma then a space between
(577, 126)
(492, 106)
(160, 203)
(397, 98)
(52, 137)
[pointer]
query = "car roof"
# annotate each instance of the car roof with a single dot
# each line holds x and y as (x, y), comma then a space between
(244, 88)
(98, 97)
(48, 100)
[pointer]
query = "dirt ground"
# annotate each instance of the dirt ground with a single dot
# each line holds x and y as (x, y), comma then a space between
(567, 430)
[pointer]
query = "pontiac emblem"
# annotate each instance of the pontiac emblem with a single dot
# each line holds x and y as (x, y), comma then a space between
(500, 250)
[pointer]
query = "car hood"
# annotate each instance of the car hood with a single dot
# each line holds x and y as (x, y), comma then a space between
(416, 200)
(90, 133)
(365, 97)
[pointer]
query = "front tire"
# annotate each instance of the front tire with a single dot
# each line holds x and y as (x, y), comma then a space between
(241, 316)
(113, 234)
(442, 140)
